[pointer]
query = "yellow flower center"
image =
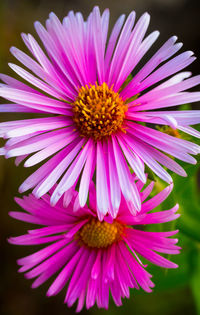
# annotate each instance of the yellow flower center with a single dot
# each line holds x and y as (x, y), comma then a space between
(98, 111)
(98, 234)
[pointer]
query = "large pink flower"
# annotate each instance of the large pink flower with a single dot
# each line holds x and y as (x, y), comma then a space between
(94, 117)
(92, 257)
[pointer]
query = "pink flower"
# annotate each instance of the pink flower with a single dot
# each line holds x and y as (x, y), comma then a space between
(93, 118)
(92, 257)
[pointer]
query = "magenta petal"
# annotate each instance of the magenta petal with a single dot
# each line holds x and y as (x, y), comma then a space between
(91, 272)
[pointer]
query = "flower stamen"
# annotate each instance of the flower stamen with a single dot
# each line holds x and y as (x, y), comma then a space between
(98, 234)
(98, 111)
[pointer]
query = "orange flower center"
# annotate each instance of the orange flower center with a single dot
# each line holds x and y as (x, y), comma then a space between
(98, 111)
(98, 234)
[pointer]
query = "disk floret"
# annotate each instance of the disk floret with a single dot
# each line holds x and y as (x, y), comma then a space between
(98, 234)
(98, 111)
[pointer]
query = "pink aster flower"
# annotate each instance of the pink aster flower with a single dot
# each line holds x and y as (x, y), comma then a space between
(92, 119)
(90, 257)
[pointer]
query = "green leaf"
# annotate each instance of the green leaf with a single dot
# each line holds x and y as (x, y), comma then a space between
(195, 279)
(185, 107)
(151, 175)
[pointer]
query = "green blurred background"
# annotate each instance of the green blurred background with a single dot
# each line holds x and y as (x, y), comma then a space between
(176, 291)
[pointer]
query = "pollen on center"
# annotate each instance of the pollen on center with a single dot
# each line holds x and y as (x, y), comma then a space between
(98, 111)
(98, 234)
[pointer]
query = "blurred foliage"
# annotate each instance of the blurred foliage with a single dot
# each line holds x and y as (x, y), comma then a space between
(186, 193)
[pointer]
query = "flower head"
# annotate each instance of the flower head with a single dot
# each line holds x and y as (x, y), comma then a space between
(90, 257)
(94, 112)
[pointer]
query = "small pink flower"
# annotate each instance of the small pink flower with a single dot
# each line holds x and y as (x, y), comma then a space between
(92, 116)
(90, 257)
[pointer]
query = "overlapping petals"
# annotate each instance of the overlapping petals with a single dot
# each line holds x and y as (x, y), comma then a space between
(115, 268)
(79, 53)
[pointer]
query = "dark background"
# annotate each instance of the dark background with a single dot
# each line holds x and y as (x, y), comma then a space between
(176, 291)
